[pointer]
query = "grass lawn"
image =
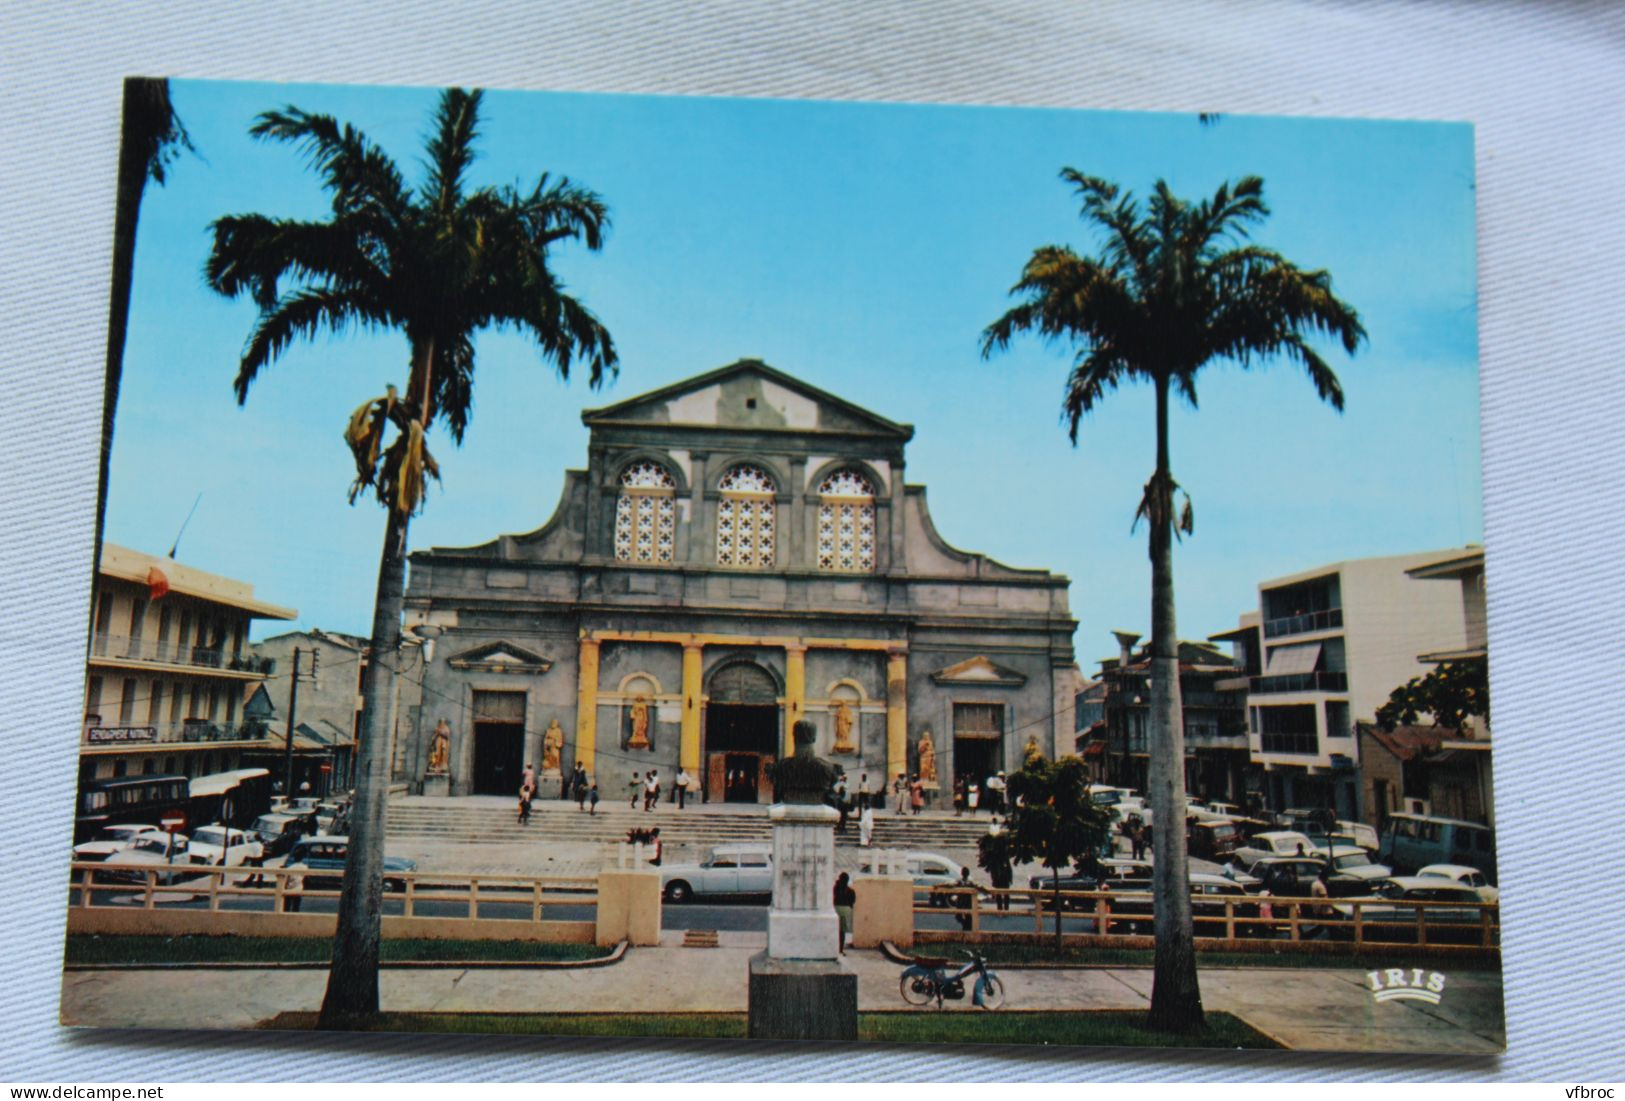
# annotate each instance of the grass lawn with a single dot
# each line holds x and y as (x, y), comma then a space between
(1117, 1028)
(1142, 957)
(115, 950)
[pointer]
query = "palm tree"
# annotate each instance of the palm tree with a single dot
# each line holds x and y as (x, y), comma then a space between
(439, 264)
(152, 136)
(1174, 288)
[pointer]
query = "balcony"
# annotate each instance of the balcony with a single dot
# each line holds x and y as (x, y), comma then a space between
(1298, 682)
(184, 732)
(1331, 619)
(1298, 742)
(119, 648)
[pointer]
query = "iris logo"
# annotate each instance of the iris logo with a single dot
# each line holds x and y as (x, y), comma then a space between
(1397, 984)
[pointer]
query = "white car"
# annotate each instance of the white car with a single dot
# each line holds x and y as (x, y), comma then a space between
(1273, 843)
(114, 839)
(743, 869)
(218, 846)
(927, 870)
(164, 854)
(1467, 877)
(1353, 860)
(1358, 833)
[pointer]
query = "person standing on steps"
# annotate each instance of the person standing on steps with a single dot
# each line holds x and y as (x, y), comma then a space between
(916, 795)
(636, 784)
(845, 899)
(651, 791)
(527, 782)
(866, 823)
(592, 801)
(899, 788)
(680, 789)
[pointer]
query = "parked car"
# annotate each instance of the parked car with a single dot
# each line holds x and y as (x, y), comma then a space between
(1394, 921)
(1120, 875)
(1464, 875)
(114, 839)
(163, 852)
(1294, 876)
(1358, 833)
(1353, 861)
(329, 854)
(277, 833)
(928, 870)
(222, 847)
(1213, 839)
(1210, 896)
(1272, 843)
(731, 870)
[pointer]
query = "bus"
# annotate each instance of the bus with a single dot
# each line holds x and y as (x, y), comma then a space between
(140, 800)
(236, 798)
(1412, 841)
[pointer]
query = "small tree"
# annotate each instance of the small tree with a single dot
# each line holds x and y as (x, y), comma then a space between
(1051, 820)
(1451, 693)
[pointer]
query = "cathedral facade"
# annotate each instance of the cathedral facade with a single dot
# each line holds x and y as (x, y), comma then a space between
(741, 552)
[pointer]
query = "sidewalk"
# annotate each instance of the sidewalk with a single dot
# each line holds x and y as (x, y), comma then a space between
(1323, 1009)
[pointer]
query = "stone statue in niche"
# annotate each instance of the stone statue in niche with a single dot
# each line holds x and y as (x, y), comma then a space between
(928, 760)
(843, 728)
(440, 747)
(552, 747)
(1032, 749)
(640, 724)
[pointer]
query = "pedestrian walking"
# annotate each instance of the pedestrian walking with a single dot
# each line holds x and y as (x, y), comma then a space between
(524, 806)
(592, 801)
(842, 804)
(899, 787)
(866, 823)
(528, 781)
(964, 899)
(1136, 837)
(973, 796)
(845, 900)
(1002, 876)
(651, 790)
(636, 783)
(578, 782)
(659, 846)
(863, 789)
(681, 788)
(916, 795)
(959, 796)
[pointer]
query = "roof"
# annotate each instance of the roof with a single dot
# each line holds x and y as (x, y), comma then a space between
(218, 783)
(1471, 562)
(1408, 743)
(125, 564)
(1425, 559)
(640, 408)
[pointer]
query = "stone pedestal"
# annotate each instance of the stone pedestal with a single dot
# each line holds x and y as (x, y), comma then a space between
(802, 999)
(438, 784)
(885, 911)
(628, 906)
(802, 924)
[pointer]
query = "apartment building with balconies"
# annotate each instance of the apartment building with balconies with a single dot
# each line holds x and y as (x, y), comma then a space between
(1324, 649)
(169, 668)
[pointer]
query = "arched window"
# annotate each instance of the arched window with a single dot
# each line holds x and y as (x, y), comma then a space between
(646, 514)
(846, 522)
(745, 518)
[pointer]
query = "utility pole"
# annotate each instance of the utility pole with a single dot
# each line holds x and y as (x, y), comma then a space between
(293, 702)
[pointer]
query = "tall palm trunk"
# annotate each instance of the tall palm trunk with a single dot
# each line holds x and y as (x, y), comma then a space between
(1176, 997)
(352, 984)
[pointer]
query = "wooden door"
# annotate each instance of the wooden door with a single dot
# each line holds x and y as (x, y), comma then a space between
(764, 779)
(716, 788)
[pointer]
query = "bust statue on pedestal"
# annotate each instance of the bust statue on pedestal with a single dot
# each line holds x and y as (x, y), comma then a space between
(799, 989)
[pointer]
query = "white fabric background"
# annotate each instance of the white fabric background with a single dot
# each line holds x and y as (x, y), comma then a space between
(1543, 82)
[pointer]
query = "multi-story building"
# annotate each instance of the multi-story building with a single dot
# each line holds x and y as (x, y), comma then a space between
(741, 552)
(169, 669)
(328, 706)
(1438, 769)
(1213, 705)
(1327, 647)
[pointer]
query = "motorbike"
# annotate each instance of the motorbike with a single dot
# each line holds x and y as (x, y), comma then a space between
(928, 978)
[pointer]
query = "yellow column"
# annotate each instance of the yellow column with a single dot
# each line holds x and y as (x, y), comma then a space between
(795, 693)
(896, 715)
(587, 703)
(689, 744)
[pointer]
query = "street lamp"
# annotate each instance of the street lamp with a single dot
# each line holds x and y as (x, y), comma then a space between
(426, 633)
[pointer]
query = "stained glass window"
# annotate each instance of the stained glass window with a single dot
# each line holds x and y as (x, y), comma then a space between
(745, 518)
(646, 514)
(846, 522)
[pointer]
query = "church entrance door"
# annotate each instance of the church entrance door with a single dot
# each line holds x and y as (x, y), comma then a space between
(741, 734)
(498, 749)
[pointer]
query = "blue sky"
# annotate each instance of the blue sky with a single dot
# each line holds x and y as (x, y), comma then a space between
(862, 247)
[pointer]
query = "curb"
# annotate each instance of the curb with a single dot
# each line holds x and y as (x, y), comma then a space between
(615, 956)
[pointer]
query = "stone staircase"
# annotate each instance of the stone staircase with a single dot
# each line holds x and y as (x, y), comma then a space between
(479, 821)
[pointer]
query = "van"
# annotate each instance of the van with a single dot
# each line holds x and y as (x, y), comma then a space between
(1413, 841)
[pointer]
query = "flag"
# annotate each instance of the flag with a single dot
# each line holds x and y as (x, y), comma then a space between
(157, 583)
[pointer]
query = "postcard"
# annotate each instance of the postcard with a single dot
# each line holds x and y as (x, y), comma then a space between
(618, 565)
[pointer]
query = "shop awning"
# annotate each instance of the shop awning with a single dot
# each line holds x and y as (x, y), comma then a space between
(1293, 659)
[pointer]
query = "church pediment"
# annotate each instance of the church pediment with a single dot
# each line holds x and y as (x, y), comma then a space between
(748, 394)
(980, 670)
(500, 657)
